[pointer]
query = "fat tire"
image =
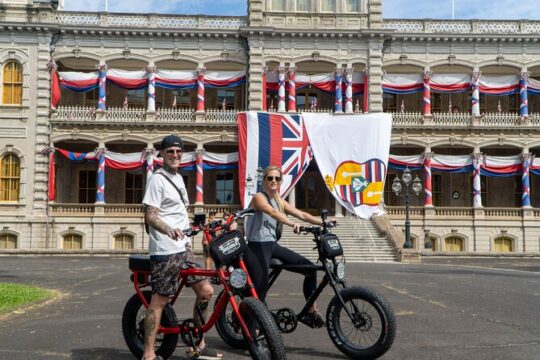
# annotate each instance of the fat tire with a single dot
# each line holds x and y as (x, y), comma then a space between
(385, 316)
(225, 330)
(135, 340)
(257, 316)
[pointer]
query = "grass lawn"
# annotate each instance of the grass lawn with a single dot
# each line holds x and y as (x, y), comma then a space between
(13, 296)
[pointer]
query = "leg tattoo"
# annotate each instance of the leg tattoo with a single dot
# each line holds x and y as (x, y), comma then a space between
(149, 324)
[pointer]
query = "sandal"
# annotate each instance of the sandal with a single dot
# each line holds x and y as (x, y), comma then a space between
(314, 320)
(207, 353)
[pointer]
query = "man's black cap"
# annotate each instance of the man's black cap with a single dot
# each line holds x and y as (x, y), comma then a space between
(170, 141)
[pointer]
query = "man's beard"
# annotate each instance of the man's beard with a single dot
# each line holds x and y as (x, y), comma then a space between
(169, 169)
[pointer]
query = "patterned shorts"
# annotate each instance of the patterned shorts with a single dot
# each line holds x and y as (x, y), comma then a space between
(164, 279)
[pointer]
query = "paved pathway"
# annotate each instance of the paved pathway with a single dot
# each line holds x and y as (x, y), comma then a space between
(447, 309)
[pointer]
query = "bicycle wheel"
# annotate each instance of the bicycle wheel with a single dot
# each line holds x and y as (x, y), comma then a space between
(267, 342)
(227, 325)
(370, 330)
(133, 328)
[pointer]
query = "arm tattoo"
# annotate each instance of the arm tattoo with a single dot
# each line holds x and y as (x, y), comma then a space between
(154, 221)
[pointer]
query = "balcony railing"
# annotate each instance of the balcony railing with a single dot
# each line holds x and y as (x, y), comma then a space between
(459, 213)
(427, 26)
(458, 120)
(84, 114)
(150, 21)
(124, 210)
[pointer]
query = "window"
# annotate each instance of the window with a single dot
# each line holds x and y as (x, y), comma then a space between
(503, 245)
(389, 102)
(134, 188)
(225, 97)
(328, 5)
(72, 242)
(278, 5)
(352, 5)
(8, 241)
(307, 100)
(136, 98)
(123, 242)
(433, 242)
(436, 189)
(453, 244)
(12, 83)
(87, 186)
(10, 178)
(303, 5)
(224, 188)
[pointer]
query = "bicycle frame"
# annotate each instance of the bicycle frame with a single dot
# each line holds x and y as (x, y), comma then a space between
(221, 274)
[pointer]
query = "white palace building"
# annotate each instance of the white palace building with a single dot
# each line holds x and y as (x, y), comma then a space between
(87, 96)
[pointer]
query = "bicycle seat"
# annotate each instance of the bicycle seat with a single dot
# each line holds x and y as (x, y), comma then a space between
(139, 263)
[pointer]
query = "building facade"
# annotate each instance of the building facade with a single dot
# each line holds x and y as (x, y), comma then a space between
(86, 97)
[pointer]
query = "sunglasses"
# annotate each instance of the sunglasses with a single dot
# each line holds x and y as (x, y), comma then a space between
(272, 178)
(173, 151)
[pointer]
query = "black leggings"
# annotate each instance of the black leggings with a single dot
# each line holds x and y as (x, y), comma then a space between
(258, 264)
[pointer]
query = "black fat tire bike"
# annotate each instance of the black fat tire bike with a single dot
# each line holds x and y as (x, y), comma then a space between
(359, 320)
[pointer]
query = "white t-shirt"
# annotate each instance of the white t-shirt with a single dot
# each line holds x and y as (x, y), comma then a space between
(161, 194)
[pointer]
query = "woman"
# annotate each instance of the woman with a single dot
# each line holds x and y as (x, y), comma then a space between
(263, 230)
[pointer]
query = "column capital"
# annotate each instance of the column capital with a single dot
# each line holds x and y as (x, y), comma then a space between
(282, 69)
(524, 156)
(102, 66)
(428, 155)
(476, 76)
(292, 69)
(427, 74)
(338, 70)
(151, 68)
(201, 70)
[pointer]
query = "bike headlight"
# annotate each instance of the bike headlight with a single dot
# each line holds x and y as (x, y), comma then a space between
(238, 278)
(340, 270)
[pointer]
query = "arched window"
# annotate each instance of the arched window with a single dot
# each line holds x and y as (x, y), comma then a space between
(12, 83)
(10, 177)
(123, 242)
(503, 245)
(8, 241)
(453, 244)
(72, 242)
(433, 242)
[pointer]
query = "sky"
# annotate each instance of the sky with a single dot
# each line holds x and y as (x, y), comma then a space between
(410, 9)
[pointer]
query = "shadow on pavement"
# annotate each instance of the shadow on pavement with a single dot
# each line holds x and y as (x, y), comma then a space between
(308, 353)
(101, 354)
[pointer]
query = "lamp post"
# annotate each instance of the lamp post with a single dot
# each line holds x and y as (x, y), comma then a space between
(249, 184)
(405, 183)
(260, 172)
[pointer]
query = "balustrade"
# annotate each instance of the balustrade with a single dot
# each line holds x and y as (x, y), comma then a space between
(150, 21)
(463, 26)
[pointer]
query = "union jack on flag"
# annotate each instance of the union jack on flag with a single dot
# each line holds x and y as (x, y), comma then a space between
(271, 139)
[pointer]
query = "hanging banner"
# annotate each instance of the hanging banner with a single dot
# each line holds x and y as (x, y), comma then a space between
(355, 170)
(270, 139)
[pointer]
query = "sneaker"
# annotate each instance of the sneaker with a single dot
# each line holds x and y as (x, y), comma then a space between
(207, 353)
(314, 320)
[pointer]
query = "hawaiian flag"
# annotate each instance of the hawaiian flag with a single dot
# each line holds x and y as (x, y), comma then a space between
(271, 139)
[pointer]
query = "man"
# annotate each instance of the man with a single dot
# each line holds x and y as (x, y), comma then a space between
(165, 202)
(206, 243)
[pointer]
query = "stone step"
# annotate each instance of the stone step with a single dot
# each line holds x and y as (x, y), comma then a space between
(361, 241)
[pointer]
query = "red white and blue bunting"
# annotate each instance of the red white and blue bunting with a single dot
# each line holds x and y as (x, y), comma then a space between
(325, 82)
(498, 166)
(133, 80)
(454, 83)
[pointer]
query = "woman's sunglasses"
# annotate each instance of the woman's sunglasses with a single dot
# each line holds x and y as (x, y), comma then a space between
(272, 178)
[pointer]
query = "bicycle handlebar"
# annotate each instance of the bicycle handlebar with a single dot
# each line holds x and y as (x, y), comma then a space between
(317, 229)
